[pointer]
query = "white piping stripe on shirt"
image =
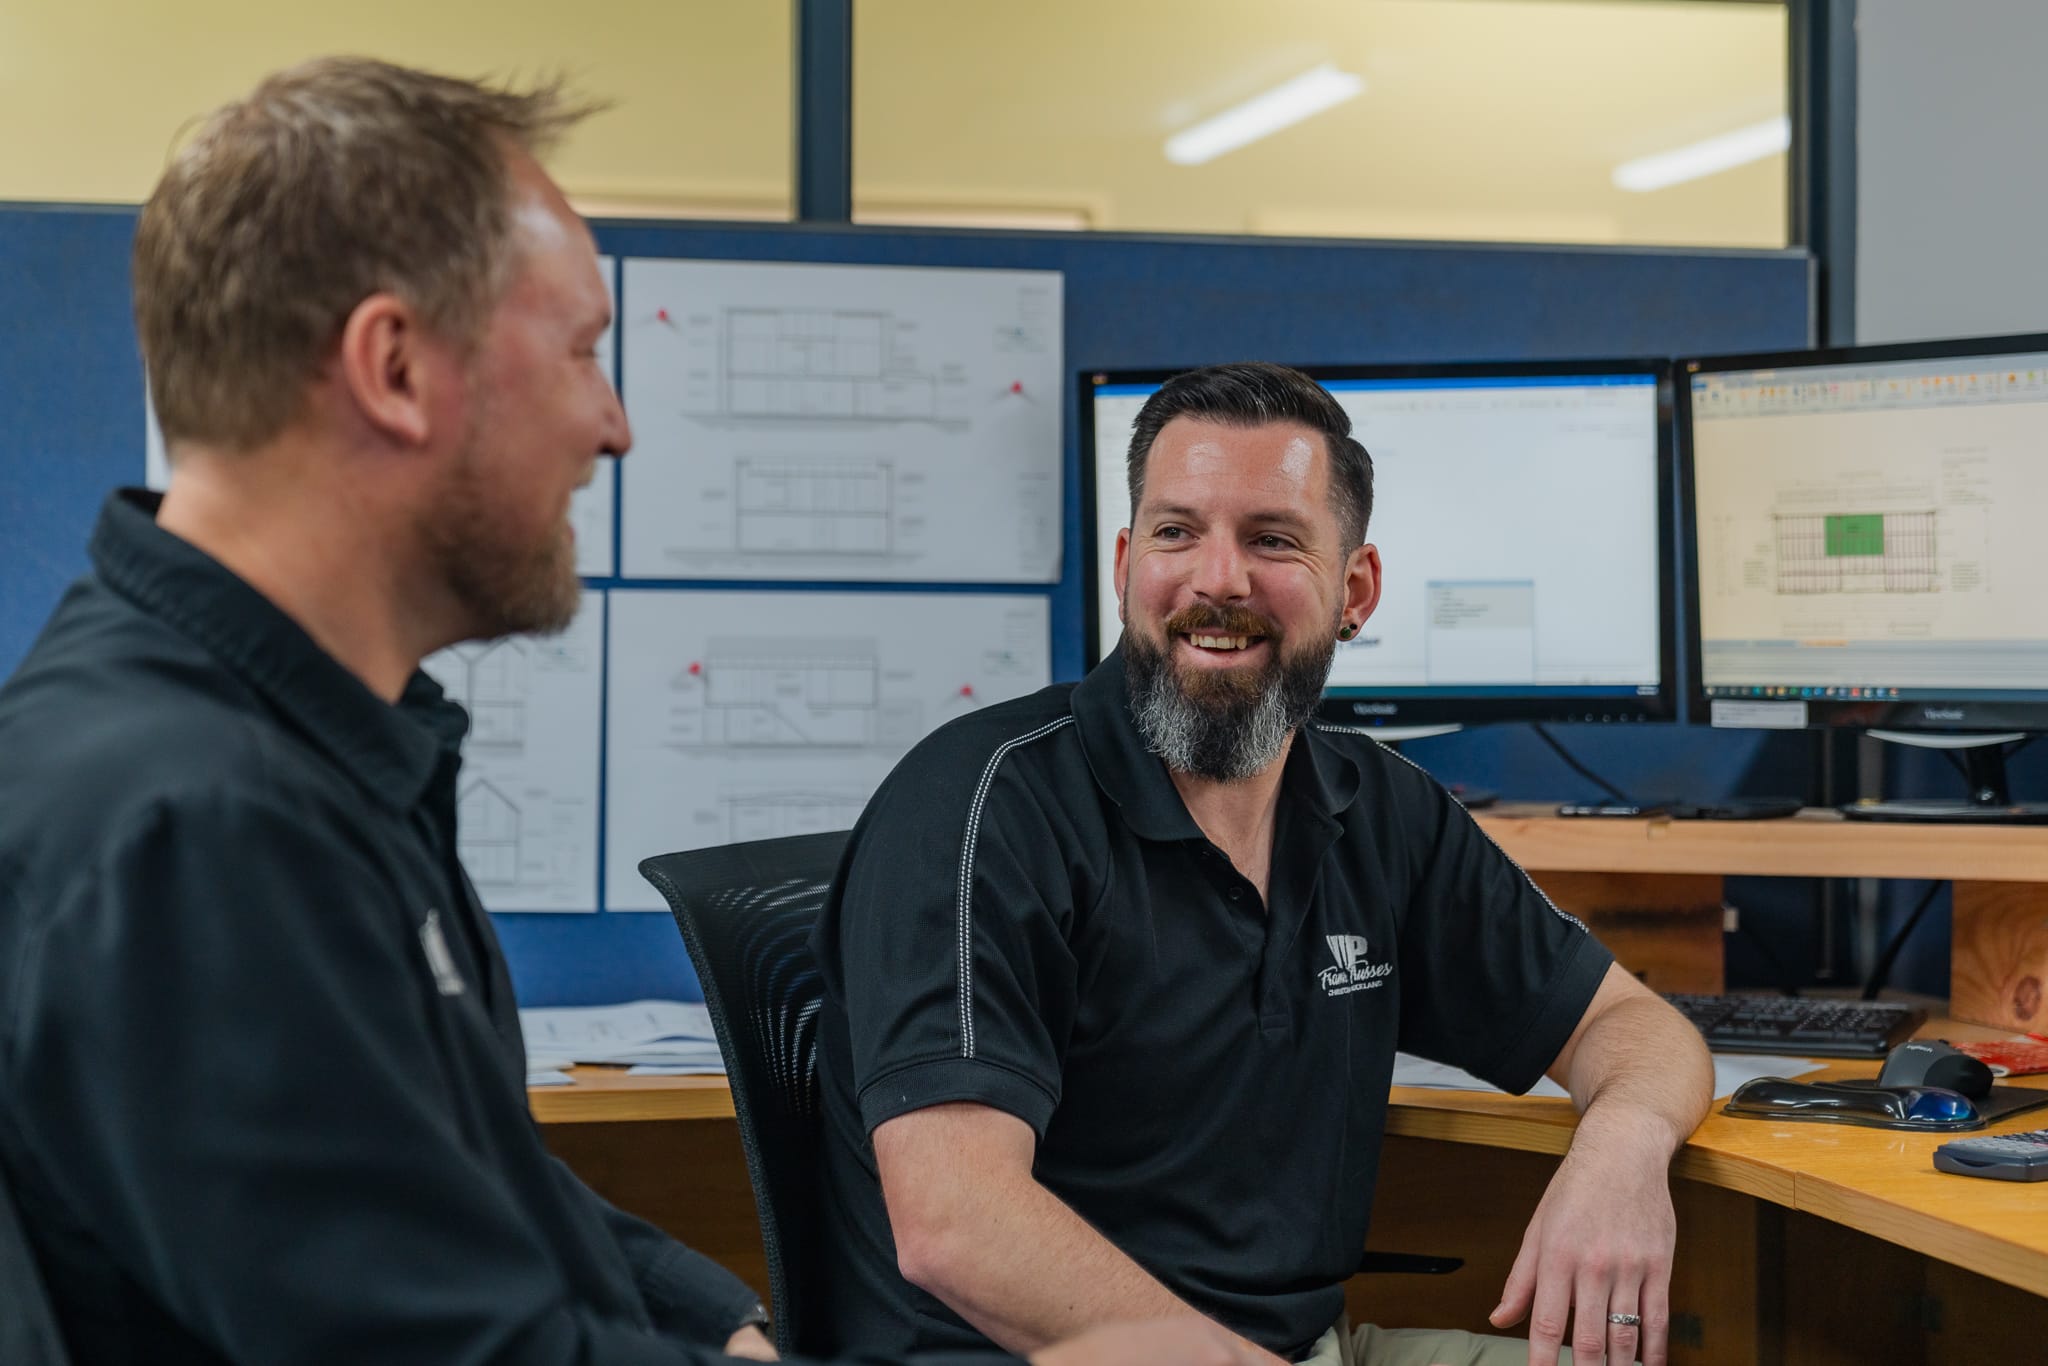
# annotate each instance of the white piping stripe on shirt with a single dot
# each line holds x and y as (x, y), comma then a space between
(963, 895)
(1367, 733)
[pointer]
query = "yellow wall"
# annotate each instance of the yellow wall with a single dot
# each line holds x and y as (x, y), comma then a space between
(1482, 119)
(93, 92)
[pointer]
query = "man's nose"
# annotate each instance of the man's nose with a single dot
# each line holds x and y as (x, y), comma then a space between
(1222, 571)
(618, 432)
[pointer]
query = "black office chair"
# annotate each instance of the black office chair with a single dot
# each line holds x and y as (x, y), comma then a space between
(28, 1328)
(746, 912)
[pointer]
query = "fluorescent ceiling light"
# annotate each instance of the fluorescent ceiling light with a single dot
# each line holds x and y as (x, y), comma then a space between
(1714, 155)
(1283, 106)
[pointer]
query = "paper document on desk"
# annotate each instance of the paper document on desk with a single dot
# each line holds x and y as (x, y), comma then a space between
(675, 1033)
(1730, 1071)
(1410, 1070)
(548, 1076)
(713, 1068)
(1733, 1069)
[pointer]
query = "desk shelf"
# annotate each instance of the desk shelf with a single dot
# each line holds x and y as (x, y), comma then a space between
(1814, 843)
(1651, 889)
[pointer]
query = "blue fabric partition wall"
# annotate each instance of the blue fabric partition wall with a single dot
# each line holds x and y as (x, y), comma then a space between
(71, 425)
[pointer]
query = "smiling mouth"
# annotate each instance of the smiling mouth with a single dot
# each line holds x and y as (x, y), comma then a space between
(1212, 642)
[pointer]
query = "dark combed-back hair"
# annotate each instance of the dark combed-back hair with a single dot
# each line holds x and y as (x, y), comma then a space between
(1252, 394)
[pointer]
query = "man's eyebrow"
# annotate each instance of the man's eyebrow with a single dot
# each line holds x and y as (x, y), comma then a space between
(1282, 517)
(1286, 517)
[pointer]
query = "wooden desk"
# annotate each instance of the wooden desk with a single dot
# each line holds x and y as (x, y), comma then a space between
(606, 1095)
(1652, 890)
(1799, 1243)
(1876, 1181)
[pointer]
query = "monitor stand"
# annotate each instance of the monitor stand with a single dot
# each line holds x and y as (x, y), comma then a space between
(1990, 801)
(1465, 794)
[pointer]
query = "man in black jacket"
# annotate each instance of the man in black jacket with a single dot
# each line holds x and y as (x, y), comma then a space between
(261, 1078)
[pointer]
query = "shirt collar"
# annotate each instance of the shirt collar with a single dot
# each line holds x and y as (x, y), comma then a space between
(1317, 772)
(391, 752)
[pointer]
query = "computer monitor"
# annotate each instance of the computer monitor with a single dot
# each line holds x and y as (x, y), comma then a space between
(1522, 513)
(1868, 549)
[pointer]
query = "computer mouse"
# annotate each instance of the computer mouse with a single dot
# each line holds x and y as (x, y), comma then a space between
(1931, 1062)
(1850, 1101)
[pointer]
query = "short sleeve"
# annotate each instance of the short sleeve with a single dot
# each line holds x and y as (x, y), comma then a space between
(1498, 976)
(946, 943)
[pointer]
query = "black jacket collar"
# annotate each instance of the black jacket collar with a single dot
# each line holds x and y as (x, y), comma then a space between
(392, 752)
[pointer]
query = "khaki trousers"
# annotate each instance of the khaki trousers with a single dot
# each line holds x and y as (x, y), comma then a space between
(1366, 1345)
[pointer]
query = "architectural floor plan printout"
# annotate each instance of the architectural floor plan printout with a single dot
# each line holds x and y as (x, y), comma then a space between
(745, 716)
(526, 804)
(862, 423)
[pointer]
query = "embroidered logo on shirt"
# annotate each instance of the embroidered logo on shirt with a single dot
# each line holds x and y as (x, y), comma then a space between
(1353, 971)
(446, 978)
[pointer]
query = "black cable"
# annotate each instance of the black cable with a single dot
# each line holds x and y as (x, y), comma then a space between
(1788, 981)
(1882, 970)
(1955, 758)
(1588, 774)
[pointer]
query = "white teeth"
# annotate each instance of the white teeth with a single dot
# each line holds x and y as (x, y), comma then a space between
(1222, 642)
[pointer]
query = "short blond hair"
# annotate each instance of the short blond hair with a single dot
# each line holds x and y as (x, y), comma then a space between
(332, 181)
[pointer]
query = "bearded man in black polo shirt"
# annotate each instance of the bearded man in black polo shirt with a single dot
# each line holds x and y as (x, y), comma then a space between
(261, 1080)
(1116, 973)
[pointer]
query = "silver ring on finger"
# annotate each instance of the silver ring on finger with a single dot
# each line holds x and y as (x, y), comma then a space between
(1625, 1320)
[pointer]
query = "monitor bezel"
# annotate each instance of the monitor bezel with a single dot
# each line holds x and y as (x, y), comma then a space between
(1364, 708)
(1960, 717)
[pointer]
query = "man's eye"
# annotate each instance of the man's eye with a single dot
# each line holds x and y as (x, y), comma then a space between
(1168, 533)
(1272, 542)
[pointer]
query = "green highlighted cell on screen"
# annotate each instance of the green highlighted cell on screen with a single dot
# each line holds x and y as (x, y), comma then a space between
(1857, 534)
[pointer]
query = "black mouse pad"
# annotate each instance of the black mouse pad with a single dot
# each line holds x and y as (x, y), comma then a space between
(2001, 1102)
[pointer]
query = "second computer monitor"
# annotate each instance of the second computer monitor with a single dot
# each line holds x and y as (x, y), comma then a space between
(1866, 526)
(1522, 518)
(1868, 538)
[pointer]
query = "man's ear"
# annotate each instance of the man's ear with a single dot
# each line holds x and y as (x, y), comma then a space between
(391, 368)
(1120, 572)
(1361, 584)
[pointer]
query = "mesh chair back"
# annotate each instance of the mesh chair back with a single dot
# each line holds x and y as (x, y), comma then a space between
(746, 912)
(28, 1328)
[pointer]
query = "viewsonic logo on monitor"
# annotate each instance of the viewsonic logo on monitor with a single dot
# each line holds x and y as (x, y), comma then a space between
(1941, 713)
(1375, 708)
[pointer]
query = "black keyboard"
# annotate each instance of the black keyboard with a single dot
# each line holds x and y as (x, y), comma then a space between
(1800, 1025)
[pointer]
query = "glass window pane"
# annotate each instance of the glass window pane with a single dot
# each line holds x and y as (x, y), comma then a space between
(1456, 119)
(700, 122)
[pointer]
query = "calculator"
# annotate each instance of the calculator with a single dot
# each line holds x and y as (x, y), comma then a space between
(2006, 1157)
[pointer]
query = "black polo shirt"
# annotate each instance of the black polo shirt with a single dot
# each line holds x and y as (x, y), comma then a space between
(262, 1091)
(1028, 918)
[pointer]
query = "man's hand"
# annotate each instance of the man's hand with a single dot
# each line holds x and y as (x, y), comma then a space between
(750, 1342)
(1602, 1238)
(1600, 1244)
(1184, 1340)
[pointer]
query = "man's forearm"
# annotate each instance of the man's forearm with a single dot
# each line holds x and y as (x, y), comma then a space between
(1027, 1271)
(1640, 1069)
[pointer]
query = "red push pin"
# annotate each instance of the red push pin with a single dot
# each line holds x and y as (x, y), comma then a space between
(696, 669)
(661, 315)
(967, 690)
(1016, 386)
